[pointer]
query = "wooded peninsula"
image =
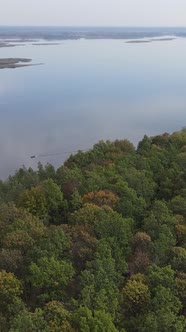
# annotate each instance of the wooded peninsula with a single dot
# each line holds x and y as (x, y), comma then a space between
(98, 245)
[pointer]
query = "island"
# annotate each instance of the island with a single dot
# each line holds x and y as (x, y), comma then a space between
(139, 41)
(14, 62)
(5, 44)
(46, 44)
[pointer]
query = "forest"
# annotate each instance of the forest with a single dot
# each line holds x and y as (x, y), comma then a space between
(98, 245)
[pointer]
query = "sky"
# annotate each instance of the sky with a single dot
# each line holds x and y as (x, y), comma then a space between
(93, 12)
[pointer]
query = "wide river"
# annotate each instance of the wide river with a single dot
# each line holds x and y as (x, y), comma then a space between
(87, 90)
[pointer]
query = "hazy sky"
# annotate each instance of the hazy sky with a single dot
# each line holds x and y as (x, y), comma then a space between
(93, 12)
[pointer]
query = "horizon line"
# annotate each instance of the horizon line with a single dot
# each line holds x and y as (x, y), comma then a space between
(94, 26)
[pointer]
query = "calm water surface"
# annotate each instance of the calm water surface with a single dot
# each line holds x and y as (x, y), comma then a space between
(87, 90)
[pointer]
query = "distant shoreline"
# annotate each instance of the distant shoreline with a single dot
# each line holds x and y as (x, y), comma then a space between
(74, 33)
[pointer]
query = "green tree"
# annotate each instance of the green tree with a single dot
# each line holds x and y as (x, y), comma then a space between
(86, 320)
(135, 297)
(29, 321)
(50, 277)
(164, 313)
(181, 288)
(83, 245)
(45, 201)
(10, 291)
(178, 205)
(164, 276)
(178, 261)
(57, 317)
(99, 282)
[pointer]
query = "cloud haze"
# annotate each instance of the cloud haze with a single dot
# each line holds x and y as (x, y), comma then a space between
(93, 12)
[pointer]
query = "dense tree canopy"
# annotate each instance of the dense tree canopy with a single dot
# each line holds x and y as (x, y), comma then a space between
(98, 245)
